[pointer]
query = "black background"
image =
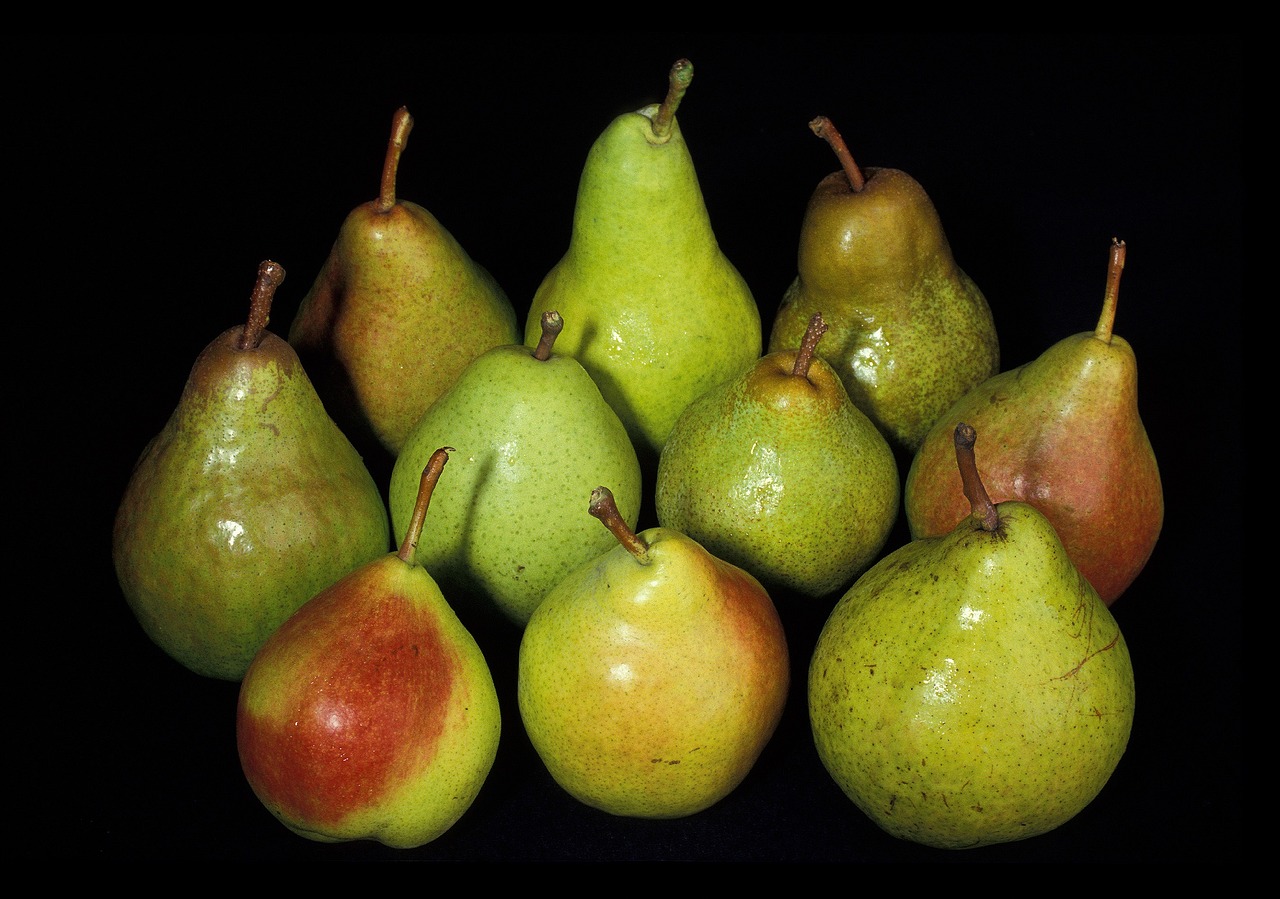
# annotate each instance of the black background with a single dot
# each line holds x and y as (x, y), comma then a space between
(147, 190)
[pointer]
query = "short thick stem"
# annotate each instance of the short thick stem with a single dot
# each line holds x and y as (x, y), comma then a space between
(270, 277)
(401, 125)
(983, 509)
(605, 509)
(552, 325)
(809, 345)
(1115, 268)
(678, 81)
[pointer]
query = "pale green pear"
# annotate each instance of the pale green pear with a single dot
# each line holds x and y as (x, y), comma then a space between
(777, 471)
(972, 688)
(653, 309)
(533, 436)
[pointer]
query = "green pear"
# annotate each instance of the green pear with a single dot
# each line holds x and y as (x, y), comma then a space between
(972, 688)
(910, 330)
(247, 502)
(778, 472)
(653, 309)
(652, 677)
(1063, 433)
(510, 526)
(371, 714)
(366, 329)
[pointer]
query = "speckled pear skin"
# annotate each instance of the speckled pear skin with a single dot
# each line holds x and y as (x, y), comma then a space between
(650, 690)
(972, 688)
(247, 503)
(782, 475)
(653, 308)
(910, 331)
(508, 519)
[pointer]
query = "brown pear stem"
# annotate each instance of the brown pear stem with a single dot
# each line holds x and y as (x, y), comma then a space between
(1115, 268)
(809, 345)
(270, 276)
(552, 325)
(426, 486)
(678, 81)
(401, 125)
(605, 509)
(826, 129)
(984, 510)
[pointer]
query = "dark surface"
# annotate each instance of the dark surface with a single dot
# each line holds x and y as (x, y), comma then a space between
(149, 193)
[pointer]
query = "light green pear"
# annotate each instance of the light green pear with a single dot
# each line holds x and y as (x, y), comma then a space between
(972, 688)
(777, 471)
(652, 307)
(533, 436)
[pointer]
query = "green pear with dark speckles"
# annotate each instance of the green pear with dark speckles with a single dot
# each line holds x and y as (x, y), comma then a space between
(533, 435)
(972, 688)
(910, 332)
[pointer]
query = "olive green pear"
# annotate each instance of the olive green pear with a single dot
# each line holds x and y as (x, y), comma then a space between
(910, 332)
(533, 436)
(653, 676)
(972, 688)
(365, 329)
(653, 309)
(777, 471)
(371, 714)
(248, 502)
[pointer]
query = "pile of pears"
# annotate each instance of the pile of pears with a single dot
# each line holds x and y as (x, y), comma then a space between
(644, 489)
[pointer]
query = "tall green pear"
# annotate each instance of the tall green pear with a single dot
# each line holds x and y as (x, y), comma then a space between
(653, 309)
(910, 332)
(366, 329)
(247, 503)
(972, 688)
(775, 470)
(533, 436)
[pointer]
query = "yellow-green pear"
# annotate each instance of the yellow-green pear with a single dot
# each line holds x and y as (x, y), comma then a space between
(972, 688)
(653, 308)
(247, 502)
(371, 714)
(652, 677)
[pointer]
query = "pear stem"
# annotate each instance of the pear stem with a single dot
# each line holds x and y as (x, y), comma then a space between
(426, 486)
(605, 509)
(678, 81)
(401, 125)
(809, 345)
(984, 510)
(825, 129)
(270, 276)
(1115, 268)
(552, 325)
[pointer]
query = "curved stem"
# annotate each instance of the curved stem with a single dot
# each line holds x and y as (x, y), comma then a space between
(270, 276)
(825, 129)
(401, 125)
(984, 510)
(552, 325)
(678, 80)
(605, 509)
(1115, 268)
(426, 486)
(809, 345)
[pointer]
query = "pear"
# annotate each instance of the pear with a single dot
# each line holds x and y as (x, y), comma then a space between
(248, 501)
(972, 688)
(371, 714)
(365, 329)
(1063, 432)
(653, 309)
(910, 330)
(510, 526)
(778, 472)
(652, 677)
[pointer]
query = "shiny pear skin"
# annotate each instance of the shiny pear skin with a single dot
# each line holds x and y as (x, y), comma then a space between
(371, 713)
(248, 502)
(781, 474)
(910, 331)
(972, 688)
(653, 309)
(650, 690)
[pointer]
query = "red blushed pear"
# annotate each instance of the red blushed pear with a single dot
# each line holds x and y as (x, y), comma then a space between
(1062, 433)
(371, 713)
(651, 679)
